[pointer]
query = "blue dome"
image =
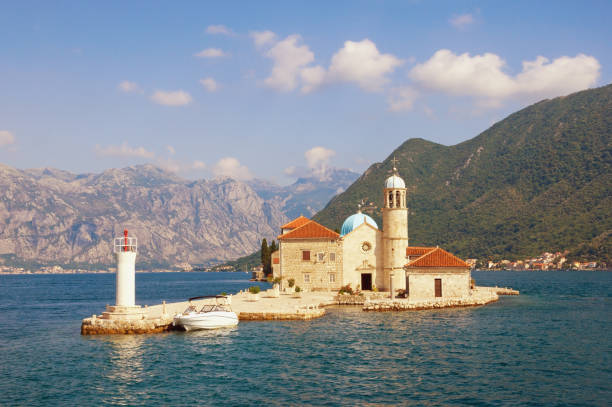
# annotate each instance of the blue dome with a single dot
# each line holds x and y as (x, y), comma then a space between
(352, 222)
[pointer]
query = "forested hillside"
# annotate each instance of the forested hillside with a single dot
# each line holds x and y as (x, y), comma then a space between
(539, 180)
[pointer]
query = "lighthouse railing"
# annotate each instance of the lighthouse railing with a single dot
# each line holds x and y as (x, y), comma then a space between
(125, 244)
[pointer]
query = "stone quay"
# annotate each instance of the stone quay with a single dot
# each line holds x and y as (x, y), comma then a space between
(271, 305)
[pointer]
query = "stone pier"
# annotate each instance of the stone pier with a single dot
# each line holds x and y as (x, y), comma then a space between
(270, 306)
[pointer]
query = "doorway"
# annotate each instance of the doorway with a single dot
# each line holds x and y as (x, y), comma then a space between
(366, 281)
(438, 287)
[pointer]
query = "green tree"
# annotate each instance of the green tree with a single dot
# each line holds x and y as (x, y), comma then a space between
(264, 251)
(266, 256)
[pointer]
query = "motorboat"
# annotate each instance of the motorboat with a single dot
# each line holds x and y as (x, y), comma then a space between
(210, 316)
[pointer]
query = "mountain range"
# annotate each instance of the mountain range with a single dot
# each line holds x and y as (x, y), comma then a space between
(50, 216)
(539, 180)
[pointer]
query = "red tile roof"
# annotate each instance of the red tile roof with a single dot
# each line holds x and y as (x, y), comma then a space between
(296, 223)
(438, 258)
(310, 230)
(417, 250)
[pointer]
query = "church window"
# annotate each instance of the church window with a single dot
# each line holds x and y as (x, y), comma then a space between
(321, 256)
(398, 201)
(306, 278)
(332, 277)
(366, 246)
(306, 255)
(332, 256)
(390, 199)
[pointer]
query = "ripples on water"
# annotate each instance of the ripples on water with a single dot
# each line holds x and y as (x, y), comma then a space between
(549, 346)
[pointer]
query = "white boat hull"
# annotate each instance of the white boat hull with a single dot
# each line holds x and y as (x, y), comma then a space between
(206, 320)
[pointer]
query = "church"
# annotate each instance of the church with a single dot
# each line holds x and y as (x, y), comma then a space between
(364, 256)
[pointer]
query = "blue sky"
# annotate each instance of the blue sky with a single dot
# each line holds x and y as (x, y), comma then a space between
(275, 90)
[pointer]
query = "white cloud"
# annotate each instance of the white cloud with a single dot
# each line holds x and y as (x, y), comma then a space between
(312, 78)
(173, 98)
(231, 167)
(219, 29)
(318, 159)
(362, 63)
(211, 53)
(124, 150)
(6, 138)
(289, 58)
(563, 75)
(357, 62)
(129, 87)
(262, 38)
(483, 76)
(171, 150)
(176, 166)
(462, 21)
(402, 99)
(198, 165)
(209, 84)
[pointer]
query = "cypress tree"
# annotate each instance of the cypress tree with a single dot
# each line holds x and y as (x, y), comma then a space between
(265, 251)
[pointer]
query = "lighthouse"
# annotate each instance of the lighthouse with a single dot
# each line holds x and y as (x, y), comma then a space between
(125, 249)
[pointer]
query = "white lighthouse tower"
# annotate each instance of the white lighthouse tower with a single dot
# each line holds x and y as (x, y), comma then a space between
(125, 249)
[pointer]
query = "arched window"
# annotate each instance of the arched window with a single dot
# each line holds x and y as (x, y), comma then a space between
(391, 199)
(398, 199)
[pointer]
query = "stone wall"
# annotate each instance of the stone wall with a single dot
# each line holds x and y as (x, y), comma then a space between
(478, 296)
(356, 260)
(455, 283)
(318, 272)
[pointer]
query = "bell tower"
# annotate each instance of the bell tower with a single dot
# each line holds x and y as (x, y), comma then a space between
(395, 231)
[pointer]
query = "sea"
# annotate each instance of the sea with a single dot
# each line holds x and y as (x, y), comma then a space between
(550, 346)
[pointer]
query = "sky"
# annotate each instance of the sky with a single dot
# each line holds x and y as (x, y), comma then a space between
(277, 90)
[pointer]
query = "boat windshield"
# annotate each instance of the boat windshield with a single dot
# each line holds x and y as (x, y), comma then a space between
(189, 310)
(214, 307)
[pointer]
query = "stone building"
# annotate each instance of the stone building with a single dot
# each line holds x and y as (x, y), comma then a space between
(364, 256)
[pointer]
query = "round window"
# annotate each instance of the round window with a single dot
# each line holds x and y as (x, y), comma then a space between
(366, 246)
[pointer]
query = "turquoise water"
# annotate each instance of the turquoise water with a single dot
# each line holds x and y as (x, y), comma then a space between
(550, 346)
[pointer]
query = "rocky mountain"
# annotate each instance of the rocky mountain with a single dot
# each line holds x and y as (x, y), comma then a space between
(307, 195)
(53, 216)
(539, 180)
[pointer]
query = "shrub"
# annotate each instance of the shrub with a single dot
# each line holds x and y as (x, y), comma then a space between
(277, 280)
(223, 293)
(346, 289)
(254, 289)
(297, 289)
(291, 282)
(374, 288)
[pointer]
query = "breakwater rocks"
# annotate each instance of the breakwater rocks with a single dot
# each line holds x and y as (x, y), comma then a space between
(99, 326)
(479, 296)
(300, 314)
(359, 299)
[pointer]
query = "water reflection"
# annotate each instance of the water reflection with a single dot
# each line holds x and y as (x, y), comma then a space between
(125, 368)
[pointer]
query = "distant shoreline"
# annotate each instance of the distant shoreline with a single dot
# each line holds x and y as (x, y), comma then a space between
(29, 272)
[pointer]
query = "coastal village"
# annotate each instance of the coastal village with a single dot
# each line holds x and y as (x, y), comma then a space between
(544, 262)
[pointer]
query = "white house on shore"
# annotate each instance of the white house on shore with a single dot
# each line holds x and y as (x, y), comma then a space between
(363, 255)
